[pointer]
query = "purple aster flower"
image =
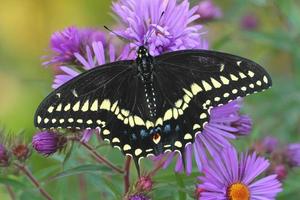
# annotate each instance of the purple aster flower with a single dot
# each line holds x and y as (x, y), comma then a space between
(76, 50)
(293, 154)
(249, 22)
(92, 56)
(138, 197)
(47, 143)
(4, 156)
(269, 144)
(230, 176)
(144, 22)
(223, 126)
(208, 10)
(69, 41)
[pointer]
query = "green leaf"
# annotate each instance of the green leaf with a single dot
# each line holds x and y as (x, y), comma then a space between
(46, 172)
(278, 39)
(31, 194)
(290, 10)
(113, 188)
(12, 182)
(167, 177)
(218, 44)
(80, 170)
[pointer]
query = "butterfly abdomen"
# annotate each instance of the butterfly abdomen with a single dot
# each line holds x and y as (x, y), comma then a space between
(150, 99)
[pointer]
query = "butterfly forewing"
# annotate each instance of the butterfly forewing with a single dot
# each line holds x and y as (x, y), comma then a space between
(222, 77)
(76, 104)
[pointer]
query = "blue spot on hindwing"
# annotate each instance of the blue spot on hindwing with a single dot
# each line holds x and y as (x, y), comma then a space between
(143, 133)
(177, 129)
(133, 136)
(167, 128)
(157, 130)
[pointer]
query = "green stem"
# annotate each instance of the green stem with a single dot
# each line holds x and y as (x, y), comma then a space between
(34, 181)
(126, 174)
(10, 192)
(97, 156)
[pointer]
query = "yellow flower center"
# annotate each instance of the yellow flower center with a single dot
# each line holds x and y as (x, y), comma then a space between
(238, 191)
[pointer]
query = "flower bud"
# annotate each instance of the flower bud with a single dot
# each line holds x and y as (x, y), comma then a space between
(293, 154)
(281, 172)
(144, 184)
(249, 22)
(4, 157)
(269, 144)
(21, 151)
(138, 197)
(47, 143)
(208, 10)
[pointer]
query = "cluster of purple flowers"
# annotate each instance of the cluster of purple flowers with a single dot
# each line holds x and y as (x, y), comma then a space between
(227, 175)
(283, 158)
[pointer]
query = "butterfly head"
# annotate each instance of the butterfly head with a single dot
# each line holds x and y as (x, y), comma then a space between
(142, 52)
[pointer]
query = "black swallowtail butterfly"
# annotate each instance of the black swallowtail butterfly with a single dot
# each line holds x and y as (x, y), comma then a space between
(151, 105)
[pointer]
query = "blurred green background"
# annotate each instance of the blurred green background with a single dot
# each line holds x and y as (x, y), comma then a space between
(25, 30)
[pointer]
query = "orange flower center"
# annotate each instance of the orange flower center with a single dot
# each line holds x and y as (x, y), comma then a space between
(238, 191)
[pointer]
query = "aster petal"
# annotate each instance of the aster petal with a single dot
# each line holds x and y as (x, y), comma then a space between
(169, 160)
(69, 71)
(179, 165)
(86, 135)
(89, 58)
(112, 53)
(99, 52)
(81, 59)
(189, 154)
(200, 154)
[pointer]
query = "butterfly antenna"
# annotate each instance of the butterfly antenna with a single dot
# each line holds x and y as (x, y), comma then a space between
(120, 36)
(149, 35)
